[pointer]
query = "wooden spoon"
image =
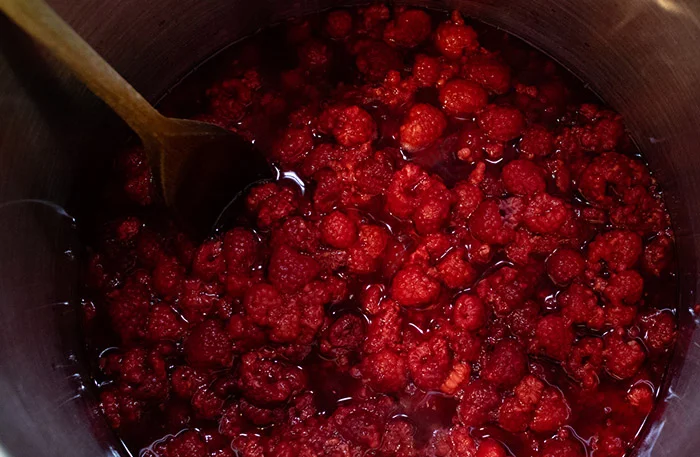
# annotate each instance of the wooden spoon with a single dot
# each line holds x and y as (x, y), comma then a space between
(201, 167)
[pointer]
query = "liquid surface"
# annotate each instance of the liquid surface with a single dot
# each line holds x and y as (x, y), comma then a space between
(464, 255)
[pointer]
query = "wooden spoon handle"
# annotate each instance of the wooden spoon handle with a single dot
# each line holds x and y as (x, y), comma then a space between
(41, 22)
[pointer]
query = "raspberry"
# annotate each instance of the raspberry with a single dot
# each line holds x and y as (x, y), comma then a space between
(293, 145)
(208, 262)
(168, 277)
(660, 330)
(580, 306)
(624, 288)
(403, 196)
(658, 255)
(208, 346)
(408, 29)
(429, 363)
(423, 125)
(412, 287)
(454, 270)
(365, 254)
(314, 56)
(501, 123)
(467, 199)
(479, 404)
(506, 289)
(455, 39)
(433, 209)
(426, 70)
(338, 24)
(487, 224)
(266, 382)
(460, 98)
(564, 265)
(585, 362)
(351, 125)
(544, 214)
(290, 270)
(492, 74)
(522, 177)
(163, 324)
(298, 233)
(562, 448)
(490, 448)
(536, 141)
(553, 337)
(551, 412)
(375, 59)
(506, 365)
(384, 371)
(469, 313)
(338, 230)
(622, 357)
(619, 249)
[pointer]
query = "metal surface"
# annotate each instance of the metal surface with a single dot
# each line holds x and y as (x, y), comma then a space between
(641, 56)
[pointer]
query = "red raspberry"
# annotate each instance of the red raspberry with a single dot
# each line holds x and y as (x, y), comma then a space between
(660, 328)
(585, 362)
(506, 365)
(338, 24)
(206, 404)
(365, 254)
(293, 145)
(625, 287)
(266, 382)
(469, 313)
(562, 448)
(338, 230)
(551, 413)
(453, 38)
(619, 249)
(168, 277)
(384, 371)
(479, 404)
(460, 98)
(385, 329)
(345, 334)
(433, 209)
(408, 183)
(658, 255)
(580, 306)
(545, 214)
(198, 299)
(186, 444)
(426, 70)
(314, 56)
(506, 289)
(423, 125)
(289, 270)
(553, 337)
(186, 381)
(564, 265)
(297, 233)
(271, 203)
(487, 224)
(373, 18)
(490, 448)
(240, 249)
(641, 396)
(412, 287)
(623, 357)
(492, 74)
(208, 346)
(468, 197)
(208, 262)
(408, 29)
(455, 271)
(501, 123)
(375, 59)
(536, 141)
(163, 324)
(373, 175)
(351, 125)
(429, 363)
(522, 177)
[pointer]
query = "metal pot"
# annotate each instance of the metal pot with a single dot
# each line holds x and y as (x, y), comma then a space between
(641, 56)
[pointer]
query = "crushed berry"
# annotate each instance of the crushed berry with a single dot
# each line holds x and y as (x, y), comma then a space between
(463, 256)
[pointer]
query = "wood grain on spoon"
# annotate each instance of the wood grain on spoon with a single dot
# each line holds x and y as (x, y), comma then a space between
(200, 166)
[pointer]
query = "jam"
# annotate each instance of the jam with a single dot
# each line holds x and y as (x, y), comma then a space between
(464, 255)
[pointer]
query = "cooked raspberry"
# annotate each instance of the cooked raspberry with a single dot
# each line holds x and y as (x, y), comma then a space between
(375, 59)
(290, 270)
(625, 287)
(198, 299)
(658, 255)
(551, 413)
(423, 125)
(314, 55)
(553, 337)
(429, 363)
(412, 287)
(271, 203)
(297, 233)
(373, 18)
(514, 416)
(562, 448)
(403, 195)
(365, 254)
(408, 29)
(490, 448)
(501, 123)
(338, 24)
(163, 324)
(622, 357)
(433, 209)
(186, 444)
(231, 423)
(240, 249)
(492, 74)
(608, 444)
(261, 416)
(479, 404)
(385, 329)
(398, 439)
(641, 396)
(607, 172)
(373, 175)
(208, 262)
(564, 265)
(426, 70)
(506, 289)
(545, 214)
(267, 382)
(338, 230)
(523, 177)
(350, 125)
(585, 362)
(455, 39)
(168, 277)
(384, 371)
(467, 199)
(128, 310)
(506, 365)
(345, 334)
(293, 145)
(579, 305)
(187, 380)
(619, 249)
(469, 312)
(206, 404)
(460, 98)
(660, 330)
(455, 271)
(487, 224)
(371, 298)
(536, 141)
(208, 346)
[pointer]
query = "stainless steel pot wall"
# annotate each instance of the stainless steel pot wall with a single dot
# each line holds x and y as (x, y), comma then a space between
(641, 56)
